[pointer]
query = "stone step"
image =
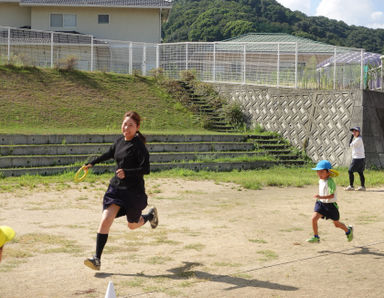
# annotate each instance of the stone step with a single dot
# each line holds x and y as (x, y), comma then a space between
(278, 152)
(287, 157)
(21, 139)
(272, 146)
(55, 149)
(56, 160)
(268, 141)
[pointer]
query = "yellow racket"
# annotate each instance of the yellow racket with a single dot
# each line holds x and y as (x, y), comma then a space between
(84, 171)
(333, 173)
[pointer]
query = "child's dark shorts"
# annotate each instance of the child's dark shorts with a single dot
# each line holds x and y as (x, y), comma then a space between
(327, 210)
(131, 202)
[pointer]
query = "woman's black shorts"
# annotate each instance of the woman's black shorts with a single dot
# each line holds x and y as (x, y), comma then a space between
(357, 165)
(131, 202)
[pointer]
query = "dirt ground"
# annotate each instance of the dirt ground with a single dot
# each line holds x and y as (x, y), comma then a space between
(214, 240)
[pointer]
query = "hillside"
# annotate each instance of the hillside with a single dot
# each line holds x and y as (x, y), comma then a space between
(215, 20)
(34, 100)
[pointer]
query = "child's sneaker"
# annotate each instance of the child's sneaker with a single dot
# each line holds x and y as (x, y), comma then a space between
(350, 235)
(313, 239)
(349, 188)
(93, 263)
(155, 219)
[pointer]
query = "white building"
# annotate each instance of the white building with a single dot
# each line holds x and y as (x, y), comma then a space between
(131, 20)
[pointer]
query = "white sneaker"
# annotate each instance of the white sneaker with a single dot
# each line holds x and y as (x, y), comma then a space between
(349, 188)
(361, 188)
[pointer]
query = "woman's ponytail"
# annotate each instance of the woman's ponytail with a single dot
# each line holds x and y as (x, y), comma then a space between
(142, 137)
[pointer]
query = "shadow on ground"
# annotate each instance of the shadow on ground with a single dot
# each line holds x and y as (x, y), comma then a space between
(184, 272)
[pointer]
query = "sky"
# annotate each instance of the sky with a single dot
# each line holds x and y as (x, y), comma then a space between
(368, 13)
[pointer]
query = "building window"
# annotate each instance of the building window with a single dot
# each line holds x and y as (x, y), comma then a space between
(103, 18)
(63, 20)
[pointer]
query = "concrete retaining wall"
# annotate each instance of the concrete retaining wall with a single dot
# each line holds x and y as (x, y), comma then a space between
(316, 121)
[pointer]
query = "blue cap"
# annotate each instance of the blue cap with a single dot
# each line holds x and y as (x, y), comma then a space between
(355, 128)
(323, 165)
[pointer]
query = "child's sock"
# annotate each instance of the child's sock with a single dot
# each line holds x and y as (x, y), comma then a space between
(317, 236)
(349, 232)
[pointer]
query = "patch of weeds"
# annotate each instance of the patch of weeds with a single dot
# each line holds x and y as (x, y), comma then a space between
(8, 265)
(291, 230)
(38, 242)
(17, 253)
(170, 198)
(132, 236)
(221, 227)
(225, 264)
(189, 232)
(257, 241)
(186, 284)
(195, 246)
(193, 192)
(112, 249)
(268, 255)
(75, 226)
(155, 260)
(173, 293)
(186, 274)
(136, 282)
(163, 239)
(242, 275)
(366, 219)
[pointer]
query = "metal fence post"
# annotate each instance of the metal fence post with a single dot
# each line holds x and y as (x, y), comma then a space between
(92, 52)
(381, 74)
(186, 55)
(9, 44)
(244, 62)
(214, 62)
(130, 58)
(296, 62)
(52, 43)
(157, 56)
(144, 65)
(334, 67)
(362, 69)
(278, 65)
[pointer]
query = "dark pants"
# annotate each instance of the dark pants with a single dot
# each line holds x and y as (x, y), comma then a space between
(357, 165)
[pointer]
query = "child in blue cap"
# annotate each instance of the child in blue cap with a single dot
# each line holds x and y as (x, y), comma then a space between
(326, 206)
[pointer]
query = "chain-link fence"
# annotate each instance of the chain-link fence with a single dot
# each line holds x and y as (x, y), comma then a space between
(278, 64)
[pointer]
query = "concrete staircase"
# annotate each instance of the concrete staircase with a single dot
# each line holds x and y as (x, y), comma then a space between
(53, 154)
(203, 107)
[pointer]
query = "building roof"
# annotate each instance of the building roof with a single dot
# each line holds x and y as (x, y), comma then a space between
(304, 44)
(372, 59)
(100, 3)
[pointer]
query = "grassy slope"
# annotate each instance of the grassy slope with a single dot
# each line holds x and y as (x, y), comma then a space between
(34, 100)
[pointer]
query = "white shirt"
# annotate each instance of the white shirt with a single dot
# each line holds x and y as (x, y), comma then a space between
(357, 148)
(326, 188)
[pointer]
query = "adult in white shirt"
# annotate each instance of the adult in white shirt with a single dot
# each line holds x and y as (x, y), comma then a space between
(358, 159)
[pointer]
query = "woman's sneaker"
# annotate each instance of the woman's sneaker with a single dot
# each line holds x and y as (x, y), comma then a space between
(349, 188)
(93, 263)
(155, 219)
(361, 188)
